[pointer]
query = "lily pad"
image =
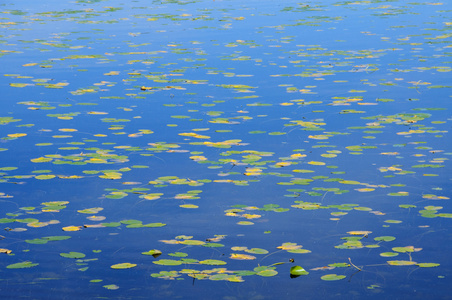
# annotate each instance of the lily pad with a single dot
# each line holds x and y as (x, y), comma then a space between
(73, 255)
(123, 266)
(298, 271)
(212, 262)
(332, 277)
(22, 265)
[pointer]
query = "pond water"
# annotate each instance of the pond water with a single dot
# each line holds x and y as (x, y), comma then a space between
(225, 149)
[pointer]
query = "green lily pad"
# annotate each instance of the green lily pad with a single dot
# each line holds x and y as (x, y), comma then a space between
(332, 277)
(73, 255)
(153, 252)
(267, 273)
(111, 287)
(167, 262)
(389, 254)
(339, 265)
(401, 262)
(212, 262)
(123, 266)
(256, 251)
(297, 271)
(385, 238)
(178, 254)
(22, 265)
(428, 265)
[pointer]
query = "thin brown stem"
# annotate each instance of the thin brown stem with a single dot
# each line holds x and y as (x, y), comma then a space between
(353, 264)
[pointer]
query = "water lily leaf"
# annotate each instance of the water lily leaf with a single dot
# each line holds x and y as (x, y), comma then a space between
(123, 266)
(167, 262)
(428, 265)
(166, 274)
(332, 277)
(245, 223)
(267, 273)
(45, 177)
(22, 265)
(212, 262)
(299, 251)
(189, 261)
(111, 287)
(56, 238)
(363, 233)
(152, 225)
(72, 228)
(188, 206)
(242, 256)
(245, 273)
(111, 224)
(256, 251)
(37, 241)
(298, 271)
(339, 265)
(385, 238)
(401, 262)
(73, 255)
(289, 246)
(219, 276)
(178, 254)
(393, 221)
(192, 242)
(154, 252)
(213, 245)
(406, 249)
(93, 210)
(389, 254)
(407, 206)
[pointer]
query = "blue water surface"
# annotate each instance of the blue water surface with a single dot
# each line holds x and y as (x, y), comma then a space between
(230, 136)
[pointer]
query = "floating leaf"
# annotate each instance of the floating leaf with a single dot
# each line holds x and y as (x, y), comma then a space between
(123, 266)
(363, 233)
(111, 287)
(298, 271)
(401, 262)
(339, 265)
(93, 210)
(406, 249)
(385, 238)
(332, 277)
(256, 251)
(178, 254)
(73, 255)
(245, 223)
(45, 177)
(267, 273)
(389, 254)
(72, 228)
(188, 206)
(242, 256)
(22, 265)
(167, 262)
(212, 262)
(154, 252)
(428, 265)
